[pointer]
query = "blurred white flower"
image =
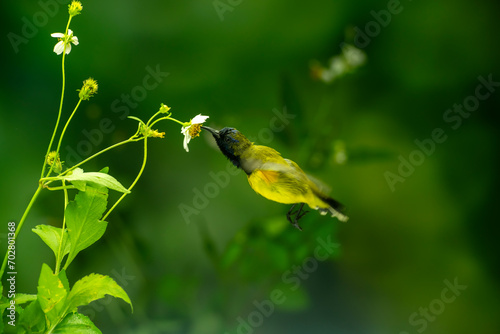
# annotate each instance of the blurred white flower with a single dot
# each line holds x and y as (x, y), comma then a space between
(348, 61)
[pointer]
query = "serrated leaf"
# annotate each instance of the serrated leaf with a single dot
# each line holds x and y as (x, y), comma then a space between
(52, 293)
(33, 319)
(52, 237)
(102, 179)
(76, 323)
(83, 220)
(94, 287)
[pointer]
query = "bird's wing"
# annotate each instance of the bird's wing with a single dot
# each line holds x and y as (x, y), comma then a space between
(320, 185)
(285, 172)
(256, 156)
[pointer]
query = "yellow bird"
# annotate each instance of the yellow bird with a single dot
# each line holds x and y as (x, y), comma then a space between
(278, 179)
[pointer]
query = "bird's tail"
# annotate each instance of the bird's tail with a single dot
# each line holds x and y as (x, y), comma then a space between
(335, 208)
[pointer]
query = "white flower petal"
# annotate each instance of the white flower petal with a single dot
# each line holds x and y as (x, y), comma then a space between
(70, 32)
(187, 137)
(57, 35)
(68, 48)
(74, 40)
(59, 47)
(199, 119)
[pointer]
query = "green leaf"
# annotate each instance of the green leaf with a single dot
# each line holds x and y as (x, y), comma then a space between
(76, 323)
(22, 298)
(80, 185)
(52, 293)
(32, 320)
(82, 218)
(94, 287)
(52, 236)
(102, 179)
(64, 279)
(104, 170)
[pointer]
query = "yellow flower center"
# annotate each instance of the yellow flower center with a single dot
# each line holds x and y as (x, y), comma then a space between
(194, 130)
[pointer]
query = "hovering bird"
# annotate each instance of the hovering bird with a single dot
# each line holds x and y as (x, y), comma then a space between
(278, 179)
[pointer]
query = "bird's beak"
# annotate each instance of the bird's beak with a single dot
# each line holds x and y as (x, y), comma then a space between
(214, 132)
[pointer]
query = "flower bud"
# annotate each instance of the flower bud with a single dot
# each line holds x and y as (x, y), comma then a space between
(88, 90)
(164, 109)
(54, 161)
(75, 8)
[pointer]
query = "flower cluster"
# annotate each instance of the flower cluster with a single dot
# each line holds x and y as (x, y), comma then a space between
(189, 129)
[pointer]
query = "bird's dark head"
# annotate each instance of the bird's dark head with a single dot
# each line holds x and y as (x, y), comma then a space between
(231, 142)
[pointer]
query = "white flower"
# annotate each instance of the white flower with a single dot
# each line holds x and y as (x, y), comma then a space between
(64, 40)
(192, 129)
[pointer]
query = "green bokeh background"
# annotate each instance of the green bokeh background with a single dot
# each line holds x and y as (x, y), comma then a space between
(397, 249)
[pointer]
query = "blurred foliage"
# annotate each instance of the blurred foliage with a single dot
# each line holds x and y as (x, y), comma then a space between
(200, 276)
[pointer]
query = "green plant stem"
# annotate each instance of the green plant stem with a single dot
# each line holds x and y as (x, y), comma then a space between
(59, 251)
(156, 114)
(135, 181)
(20, 225)
(66, 126)
(60, 105)
(130, 140)
(58, 118)
(60, 188)
(164, 118)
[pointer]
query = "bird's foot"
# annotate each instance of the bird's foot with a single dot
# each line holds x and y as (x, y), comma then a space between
(302, 214)
(298, 214)
(297, 226)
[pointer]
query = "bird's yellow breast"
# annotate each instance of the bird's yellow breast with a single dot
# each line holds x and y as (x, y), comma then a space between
(278, 187)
